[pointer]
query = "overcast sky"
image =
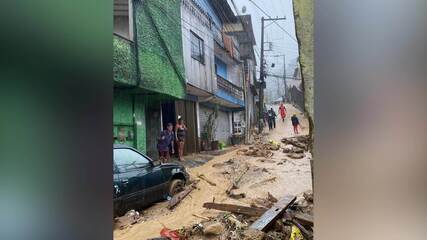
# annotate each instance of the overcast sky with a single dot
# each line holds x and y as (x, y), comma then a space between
(282, 42)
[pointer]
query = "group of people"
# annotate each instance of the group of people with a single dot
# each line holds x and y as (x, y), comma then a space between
(169, 137)
(270, 118)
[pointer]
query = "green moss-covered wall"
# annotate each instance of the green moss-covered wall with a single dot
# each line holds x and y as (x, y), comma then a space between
(124, 61)
(158, 24)
(303, 12)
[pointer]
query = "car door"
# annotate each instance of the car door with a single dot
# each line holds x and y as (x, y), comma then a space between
(131, 170)
(154, 183)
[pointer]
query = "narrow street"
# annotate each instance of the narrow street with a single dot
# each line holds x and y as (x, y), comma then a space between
(278, 175)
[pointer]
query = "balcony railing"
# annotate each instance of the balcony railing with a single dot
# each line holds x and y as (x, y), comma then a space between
(228, 87)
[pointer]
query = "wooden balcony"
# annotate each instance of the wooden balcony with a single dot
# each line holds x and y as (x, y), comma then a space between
(229, 87)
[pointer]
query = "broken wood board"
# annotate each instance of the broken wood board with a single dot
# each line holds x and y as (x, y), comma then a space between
(201, 176)
(178, 197)
(271, 215)
(249, 211)
(234, 184)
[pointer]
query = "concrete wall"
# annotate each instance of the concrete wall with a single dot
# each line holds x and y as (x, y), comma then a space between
(303, 12)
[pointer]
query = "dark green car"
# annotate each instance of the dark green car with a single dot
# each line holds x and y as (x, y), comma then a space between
(138, 181)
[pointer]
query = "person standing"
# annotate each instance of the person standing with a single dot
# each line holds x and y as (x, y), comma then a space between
(295, 123)
(165, 143)
(180, 130)
(282, 111)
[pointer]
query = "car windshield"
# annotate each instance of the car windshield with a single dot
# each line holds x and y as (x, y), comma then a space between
(127, 159)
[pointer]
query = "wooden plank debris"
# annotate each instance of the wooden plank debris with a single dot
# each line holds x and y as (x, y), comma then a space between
(179, 196)
(306, 233)
(202, 176)
(271, 198)
(271, 215)
(304, 219)
(234, 184)
(202, 217)
(249, 211)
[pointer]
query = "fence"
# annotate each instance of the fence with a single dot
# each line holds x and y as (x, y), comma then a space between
(296, 97)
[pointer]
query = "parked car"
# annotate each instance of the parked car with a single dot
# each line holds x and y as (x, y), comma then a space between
(139, 181)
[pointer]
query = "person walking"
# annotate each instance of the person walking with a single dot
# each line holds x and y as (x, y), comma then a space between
(273, 117)
(295, 123)
(165, 143)
(265, 117)
(282, 111)
(180, 130)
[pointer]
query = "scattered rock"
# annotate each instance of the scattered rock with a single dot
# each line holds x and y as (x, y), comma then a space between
(272, 235)
(215, 228)
(308, 195)
(253, 234)
(295, 155)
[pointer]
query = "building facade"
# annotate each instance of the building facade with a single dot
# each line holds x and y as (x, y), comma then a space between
(148, 69)
(176, 58)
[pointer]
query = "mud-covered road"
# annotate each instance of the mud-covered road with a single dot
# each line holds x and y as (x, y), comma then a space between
(278, 175)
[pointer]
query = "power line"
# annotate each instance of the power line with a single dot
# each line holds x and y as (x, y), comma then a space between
(256, 5)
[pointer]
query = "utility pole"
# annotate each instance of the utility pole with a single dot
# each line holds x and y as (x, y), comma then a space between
(262, 74)
(284, 77)
(261, 79)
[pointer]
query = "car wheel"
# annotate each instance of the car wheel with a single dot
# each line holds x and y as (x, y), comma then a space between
(177, 185)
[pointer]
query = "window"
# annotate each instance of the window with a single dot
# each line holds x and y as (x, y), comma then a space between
(197, 48)
(127, 159)
(123, 20)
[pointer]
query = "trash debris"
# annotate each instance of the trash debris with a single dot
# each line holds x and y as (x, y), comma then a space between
(296, 234)
(130, 218)
(170, 234)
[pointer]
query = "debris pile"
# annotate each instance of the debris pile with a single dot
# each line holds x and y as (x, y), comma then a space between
(130, 218)
(261, 149)
(296, 146)
(270, 218)
(299, 141)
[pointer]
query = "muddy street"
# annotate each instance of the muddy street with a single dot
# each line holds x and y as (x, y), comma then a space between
(259, 174)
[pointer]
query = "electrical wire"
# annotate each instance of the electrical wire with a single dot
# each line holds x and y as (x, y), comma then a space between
(256, 5)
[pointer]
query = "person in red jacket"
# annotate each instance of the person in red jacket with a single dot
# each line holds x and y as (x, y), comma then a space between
(282, 111)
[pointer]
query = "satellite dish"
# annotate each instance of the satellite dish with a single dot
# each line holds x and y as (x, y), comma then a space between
(244, 9)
